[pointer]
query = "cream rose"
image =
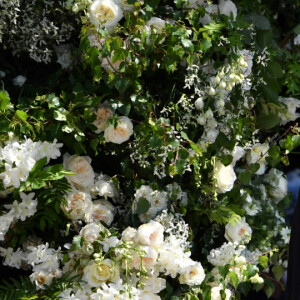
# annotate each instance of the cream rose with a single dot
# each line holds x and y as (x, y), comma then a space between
(103, 114)
(193, 275)
(150, 234)
(78, 205)
(225, 177)
(158, 23)
(105, 13)
(149, 257)
(97, 273)
(215, 293)
(258, 154)
(147, 295)
(234, 233)
(90, 232)
(154, 284)
(81, 165)
(278, 185)
(121, 133)
(101, 210)
(128, 235)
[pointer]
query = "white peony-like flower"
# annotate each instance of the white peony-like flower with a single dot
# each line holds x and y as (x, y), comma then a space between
(147, 295)
(194, 3)
(278, 185)
(19, 80)
(105, 13)
(237, 153)
(227, 7)
(78, 205)
(121, 133)
(101, 210)
(215, 293)
(128, 235)
(90, 232)
(103, 114)
(97, 273)
(103, 187)
(258, 154)
(225, 177)
(193, 275)
(234, 233)
(81, 165)
(292, 105)
(150, 234)
(149, 257)
(154, 284)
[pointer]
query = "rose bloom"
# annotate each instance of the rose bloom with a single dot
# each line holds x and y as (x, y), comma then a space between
(258, 154)
(106, 13)
(227, 7)
(150, 234)
(121, 133)
(128, 235)
(101, 210)
(292, 105)
(78, 204)
(278, 185)
(193, 275)
(103, 114)
(97, 273)
(81, 165)
(154, 284)
(158, 23)
(147, 295)
(149, 257)
(225, 177)
(90, 232)
(215, 293)
(234, 233)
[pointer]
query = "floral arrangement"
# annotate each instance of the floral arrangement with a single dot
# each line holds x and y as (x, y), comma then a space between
(146, 160)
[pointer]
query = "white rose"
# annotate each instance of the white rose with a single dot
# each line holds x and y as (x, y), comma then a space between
(106, 13)
(258, 154)
(147, 295)
(103, 187)
(90, 232)
(215, 293)
(225, 177)
(149, 257)
(97, 273)
(64, 55)
(19, 80)
(103, 114)
(150, 234)
(278, 185)
(121, 133)
(193, 275)
(81, 165)
(234, 233)
(211, 9)
(78, 205)
(292, 105)
(227, 7)
(154, 284)
(237, 153)
(194, 3)
(158, 23)
(128, 235)
(101, 210)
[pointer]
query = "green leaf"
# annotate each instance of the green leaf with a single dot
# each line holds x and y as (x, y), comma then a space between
(143, 206)
(245, 177)
(38, 166)
(269, 287)
(205, 44)
(233, 279)
(186, 43)
(223, 141)
(77, 243)
(4, 100)
(278, 271)
(297, 29)
(296, 141)
(263, 260)
(155, 141)
(259, 21)
(274, 151)
(251, 271)
(269, 121)
(22, 115)
(60, 114)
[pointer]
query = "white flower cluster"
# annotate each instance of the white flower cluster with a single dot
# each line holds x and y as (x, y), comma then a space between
(144, 250)
(17, 211)
(24, 27)
(18, 159)
(85, 186)
(158, 202)
(43, 260)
